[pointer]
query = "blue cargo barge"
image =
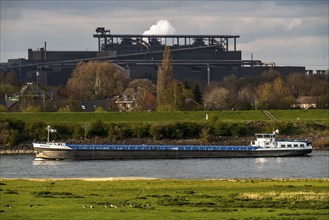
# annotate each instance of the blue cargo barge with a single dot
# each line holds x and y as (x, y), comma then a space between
(265, 145)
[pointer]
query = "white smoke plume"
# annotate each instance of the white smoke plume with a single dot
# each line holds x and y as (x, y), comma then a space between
(162, 27)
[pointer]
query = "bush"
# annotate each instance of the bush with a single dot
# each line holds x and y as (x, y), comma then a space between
(3, 108)
(100, 109)
(36, 130)
(221, 129)
(15, 124)
(97, 128)
(64, 109)
(191, 129)
(78, 131)
(14, 137)
(205, 134)
(141, 130)
(32, 108)
(287, 128)
(119, 131)
(175, 130)
(63, 131)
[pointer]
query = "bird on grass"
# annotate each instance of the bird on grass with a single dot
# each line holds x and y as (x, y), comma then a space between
(84, 206)
(92, 207)
(105, 205)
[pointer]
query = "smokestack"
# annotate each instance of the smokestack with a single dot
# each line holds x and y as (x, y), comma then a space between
(45, 50)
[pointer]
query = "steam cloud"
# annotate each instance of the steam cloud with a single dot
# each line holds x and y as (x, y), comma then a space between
(162, 27)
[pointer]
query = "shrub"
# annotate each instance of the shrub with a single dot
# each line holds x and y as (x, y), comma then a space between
(32, 108)
(14, 137)
(3, 108)
(287, 128)
(97, 128)
(175, 130)
(191, 129)
(78, 131)
(64, 109)
(141, 130)
(16, 124)
(100, 109)
(36, 130)
(238, 129)
(156, 131)
(119, 131)
(205, 134)
(221, 129)
(63, 131)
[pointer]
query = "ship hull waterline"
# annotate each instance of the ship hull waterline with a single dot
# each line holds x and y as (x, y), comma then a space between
(56, 154)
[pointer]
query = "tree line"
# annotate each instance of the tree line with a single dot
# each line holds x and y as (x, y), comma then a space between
(97, 80)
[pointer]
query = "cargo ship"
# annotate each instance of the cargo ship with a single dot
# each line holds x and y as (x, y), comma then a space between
(265, 145)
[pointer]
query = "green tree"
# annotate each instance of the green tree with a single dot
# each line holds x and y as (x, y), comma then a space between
(197, 95)
(274, 95)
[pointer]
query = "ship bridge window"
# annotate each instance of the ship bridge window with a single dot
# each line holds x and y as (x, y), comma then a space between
(289, 145)
(283, 145)
(302, 145)
(295, 145)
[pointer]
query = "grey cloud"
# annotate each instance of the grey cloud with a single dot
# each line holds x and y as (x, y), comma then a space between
(69, 25)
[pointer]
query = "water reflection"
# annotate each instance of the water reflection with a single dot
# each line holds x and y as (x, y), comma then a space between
(260, 160)
(278, 159)
(48, 162)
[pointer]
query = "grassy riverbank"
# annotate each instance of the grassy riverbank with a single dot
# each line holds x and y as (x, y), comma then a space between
(179, 116)
(165, 199)
(17, 129)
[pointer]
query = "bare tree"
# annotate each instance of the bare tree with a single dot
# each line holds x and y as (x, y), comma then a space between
(142, 83)
(296, 83)
(95, 80)
(246, 98)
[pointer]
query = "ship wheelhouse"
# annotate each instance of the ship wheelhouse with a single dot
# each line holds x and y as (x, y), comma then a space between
(269, 141)
(265, 140)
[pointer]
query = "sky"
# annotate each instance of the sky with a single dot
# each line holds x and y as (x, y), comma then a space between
(289, 33)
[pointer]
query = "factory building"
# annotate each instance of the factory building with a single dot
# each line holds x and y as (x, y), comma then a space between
(198, 58)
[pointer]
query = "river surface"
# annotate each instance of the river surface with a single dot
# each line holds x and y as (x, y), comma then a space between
(314, 166)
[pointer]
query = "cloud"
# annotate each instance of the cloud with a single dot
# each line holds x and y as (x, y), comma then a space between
(69, 25)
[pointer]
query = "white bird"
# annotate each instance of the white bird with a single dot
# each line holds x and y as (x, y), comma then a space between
(112, 206)
(115, 207)
(105, 206)
(92, 207)
(131, 205)
(84, 206)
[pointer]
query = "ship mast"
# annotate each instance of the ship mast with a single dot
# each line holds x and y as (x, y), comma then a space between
(49, 129)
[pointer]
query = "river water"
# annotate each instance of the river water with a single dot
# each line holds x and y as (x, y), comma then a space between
(314, 166)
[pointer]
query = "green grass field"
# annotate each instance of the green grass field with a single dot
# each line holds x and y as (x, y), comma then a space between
(189, 116)
(165, 199)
